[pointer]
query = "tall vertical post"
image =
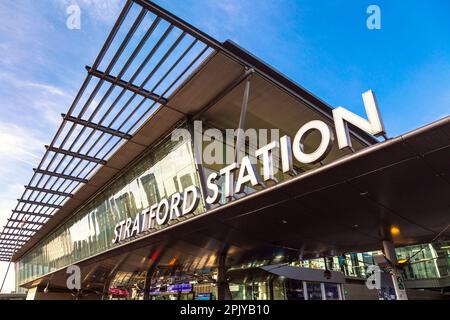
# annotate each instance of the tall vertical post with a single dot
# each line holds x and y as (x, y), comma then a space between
(223, 289)
(147, 283)
(397, 279)
(105, 292)
(198, 159)
(240, 134)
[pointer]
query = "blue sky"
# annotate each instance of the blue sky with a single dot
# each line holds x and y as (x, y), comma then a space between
(324, 46)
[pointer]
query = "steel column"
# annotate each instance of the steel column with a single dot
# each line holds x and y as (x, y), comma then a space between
(391, 256)
(223, 289)
(240, 134)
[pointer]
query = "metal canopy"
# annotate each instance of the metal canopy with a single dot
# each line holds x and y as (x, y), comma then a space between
(345, 206)
(149, 57)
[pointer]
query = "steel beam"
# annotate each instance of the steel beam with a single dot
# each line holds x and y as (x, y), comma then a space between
(21, 228)
(5, 250)
(15, 235)
(98, 127)
(10, 246)
(242, 117)
(43, 204)
(179, 23)
(76, 155)
(15, 242)
(27, 222)
(126, 85)
(60, 175)
(18, 245)
(35, 214)
(223, 93)
(58, 193)
(11, 240)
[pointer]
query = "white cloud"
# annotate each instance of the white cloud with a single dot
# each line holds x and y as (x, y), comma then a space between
(22, 27)
(18, 144)
(20, 150)
(47, 101)
(46, 87)
(25, 84)
(8, 196)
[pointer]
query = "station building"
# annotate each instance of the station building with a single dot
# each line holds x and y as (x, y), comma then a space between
(117, 196)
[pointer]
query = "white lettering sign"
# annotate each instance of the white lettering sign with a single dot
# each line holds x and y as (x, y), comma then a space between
(161, 213)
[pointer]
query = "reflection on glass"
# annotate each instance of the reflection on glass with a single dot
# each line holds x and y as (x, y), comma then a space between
(331, 291)
(314, 291)
(294, 290)
(165, 169)
(278, 289)
(151, 188)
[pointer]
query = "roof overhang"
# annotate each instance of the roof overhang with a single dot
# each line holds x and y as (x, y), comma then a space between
(195, 97)
(349, 205)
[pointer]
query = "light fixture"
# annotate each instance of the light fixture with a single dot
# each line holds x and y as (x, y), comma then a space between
(46, 288)
(395, 231)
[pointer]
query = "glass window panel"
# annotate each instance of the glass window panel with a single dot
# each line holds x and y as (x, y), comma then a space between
(314, 291)
(331, 291)
(162, 171)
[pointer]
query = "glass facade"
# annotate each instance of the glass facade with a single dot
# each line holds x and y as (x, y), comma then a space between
(281, 288)
(332, 291)
(314, 290)
(427, 261)
(165, 169)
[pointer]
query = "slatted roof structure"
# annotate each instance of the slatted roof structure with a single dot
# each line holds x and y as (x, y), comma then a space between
(143, 60)
(148, 56)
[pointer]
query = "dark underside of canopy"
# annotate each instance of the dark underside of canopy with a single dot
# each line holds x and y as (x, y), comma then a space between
(346, 206)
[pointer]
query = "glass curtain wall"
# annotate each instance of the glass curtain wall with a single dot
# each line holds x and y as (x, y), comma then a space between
(425, 261)
(167, 168)
(281, 288)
